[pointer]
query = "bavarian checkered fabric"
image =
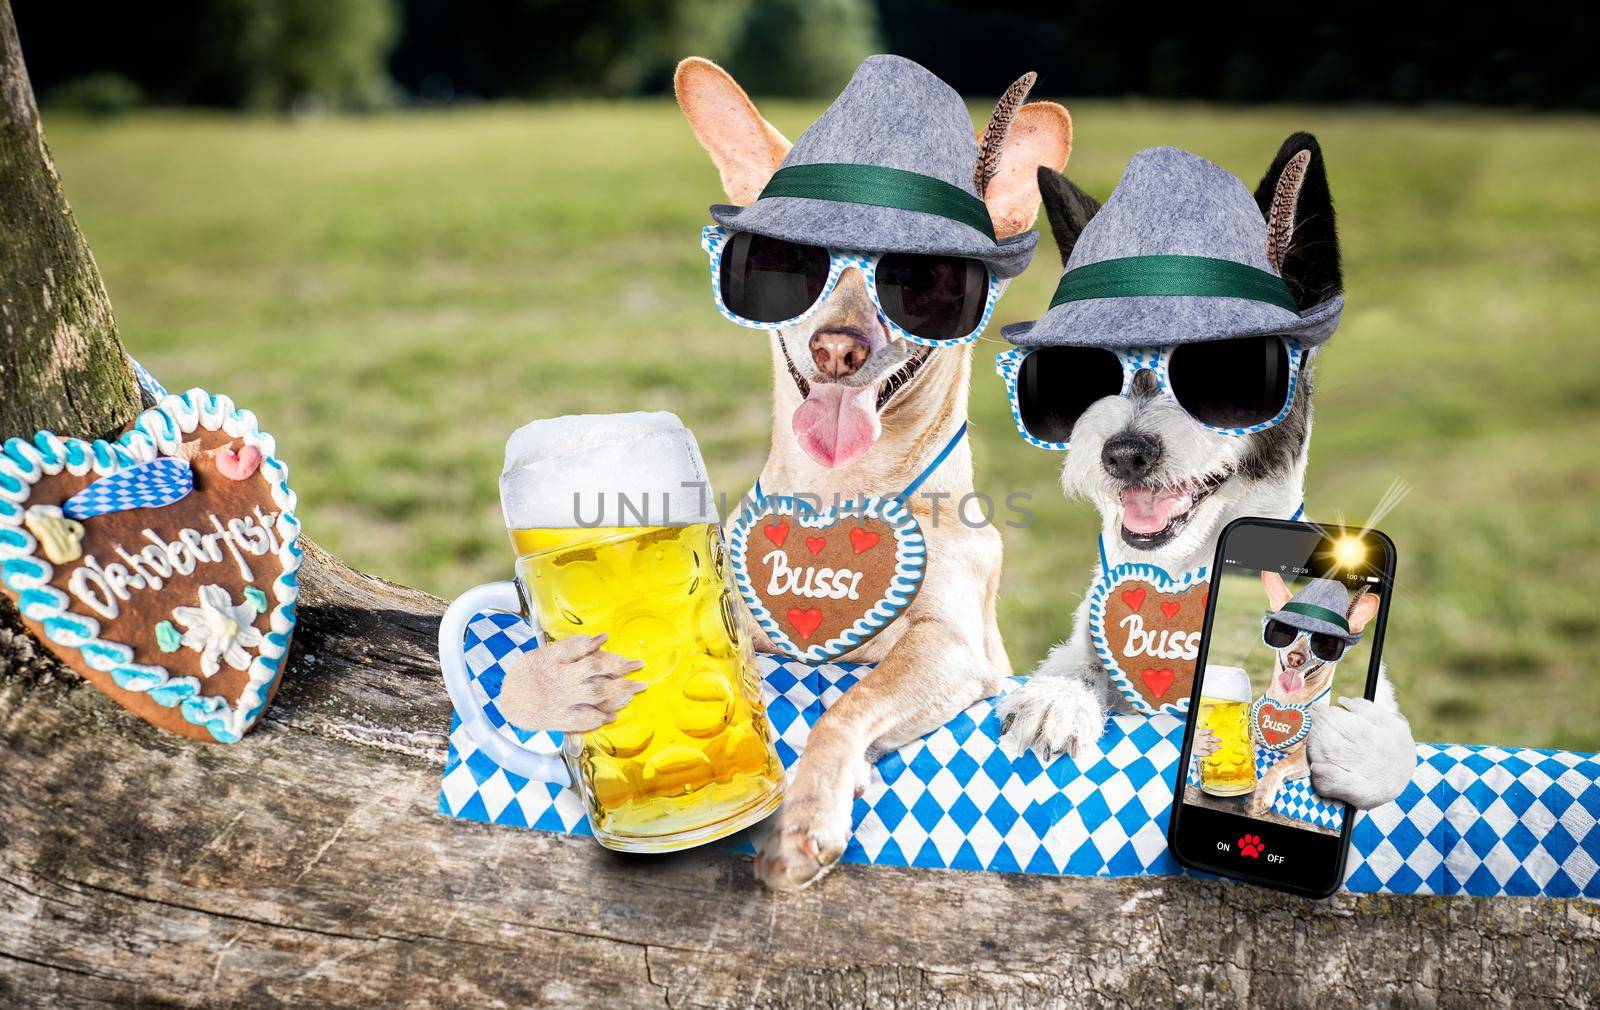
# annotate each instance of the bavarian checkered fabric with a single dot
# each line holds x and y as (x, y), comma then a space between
(154, 392)
(1295, 798)
(153, 484)
(1474, 820)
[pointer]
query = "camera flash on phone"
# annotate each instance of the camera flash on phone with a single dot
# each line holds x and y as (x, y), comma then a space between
(1349, 552)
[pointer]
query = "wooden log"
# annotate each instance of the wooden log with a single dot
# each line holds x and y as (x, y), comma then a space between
(306, 866)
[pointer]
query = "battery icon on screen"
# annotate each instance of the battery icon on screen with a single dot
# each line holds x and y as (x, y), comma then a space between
(1373, 578)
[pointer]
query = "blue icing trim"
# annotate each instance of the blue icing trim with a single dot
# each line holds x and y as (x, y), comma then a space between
(24, 571)
(134, 677)
(103, 655)
(37, 601)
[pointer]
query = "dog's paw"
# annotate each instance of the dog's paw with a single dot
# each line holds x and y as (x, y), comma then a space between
(1052, 716)
(572, 685)
(807, 835)
(1360, 753)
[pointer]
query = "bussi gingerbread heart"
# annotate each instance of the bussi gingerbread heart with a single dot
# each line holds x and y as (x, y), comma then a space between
(162, 566)
(1278, 727)
(1145, 626)
(822, 583)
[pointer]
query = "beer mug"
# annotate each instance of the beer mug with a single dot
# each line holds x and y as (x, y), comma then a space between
(612, 521)
(1230, 770)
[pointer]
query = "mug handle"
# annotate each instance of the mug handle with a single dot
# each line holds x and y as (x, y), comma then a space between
(501, 596)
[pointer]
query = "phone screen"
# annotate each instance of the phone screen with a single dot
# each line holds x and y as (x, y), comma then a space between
(1294, 622)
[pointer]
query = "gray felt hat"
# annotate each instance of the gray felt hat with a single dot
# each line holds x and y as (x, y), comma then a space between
(1321, 606)
(888, 168)
(1177, 255)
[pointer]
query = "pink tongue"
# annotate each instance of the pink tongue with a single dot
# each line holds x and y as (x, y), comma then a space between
(1148, 511)
(837, 423)
(1291, 680)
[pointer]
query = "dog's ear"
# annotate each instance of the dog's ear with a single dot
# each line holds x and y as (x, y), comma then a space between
(1277, 593)
(1362, 610)
(1018, 140)
(745, 148)
(1302, 240)
(1066, 207)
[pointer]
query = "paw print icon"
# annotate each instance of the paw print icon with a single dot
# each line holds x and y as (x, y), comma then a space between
(1250, 846)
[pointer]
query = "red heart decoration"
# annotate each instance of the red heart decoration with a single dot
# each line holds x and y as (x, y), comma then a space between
(863, 540)
(816, 544)
(805, 622)
(1157, 680)
(1275, 725)
(776, 532)
(1134, 598)
(1170, 609)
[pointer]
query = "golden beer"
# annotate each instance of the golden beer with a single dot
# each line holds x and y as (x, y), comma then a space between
(691, 757)
(1230, 770)
(615, 533)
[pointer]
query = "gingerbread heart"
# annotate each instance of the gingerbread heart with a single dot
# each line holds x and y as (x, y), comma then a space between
(1149, 651)
(178, 597)
(861, 566)
(1278, 727)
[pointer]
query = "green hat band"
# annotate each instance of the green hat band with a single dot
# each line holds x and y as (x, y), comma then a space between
(1320, 613)
(877, 186)
(1135, 276)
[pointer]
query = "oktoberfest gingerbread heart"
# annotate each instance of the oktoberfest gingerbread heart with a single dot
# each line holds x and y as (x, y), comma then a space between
(822, 583)
(162, 566)
(1145, 626)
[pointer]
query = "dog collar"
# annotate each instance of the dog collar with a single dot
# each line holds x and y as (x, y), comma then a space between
(878, 186)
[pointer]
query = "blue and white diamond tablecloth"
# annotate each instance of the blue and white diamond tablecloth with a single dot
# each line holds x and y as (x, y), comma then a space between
(1474, 820)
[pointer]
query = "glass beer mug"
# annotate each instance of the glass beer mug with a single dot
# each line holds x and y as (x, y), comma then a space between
(1230, 770)
(690, 758)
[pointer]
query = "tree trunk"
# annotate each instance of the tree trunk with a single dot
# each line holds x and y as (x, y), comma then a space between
(306, 866)
(61, 364)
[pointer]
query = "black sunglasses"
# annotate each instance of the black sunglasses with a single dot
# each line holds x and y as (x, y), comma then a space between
(1234, 386)
(1279, 635)
(768, 282)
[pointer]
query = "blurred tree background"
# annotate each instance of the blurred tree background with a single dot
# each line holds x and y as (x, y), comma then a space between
(356, 54)
(486, 242)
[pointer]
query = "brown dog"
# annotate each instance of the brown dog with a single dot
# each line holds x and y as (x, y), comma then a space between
(944, 651)
(1299, 678)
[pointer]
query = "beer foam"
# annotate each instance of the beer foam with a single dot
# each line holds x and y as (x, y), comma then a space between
(605, 470)
(1225, 683)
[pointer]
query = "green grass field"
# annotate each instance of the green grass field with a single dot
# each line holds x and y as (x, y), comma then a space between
(394, 295)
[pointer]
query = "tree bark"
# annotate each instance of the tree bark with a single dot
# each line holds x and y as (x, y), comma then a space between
(306, 865)
(61, 365)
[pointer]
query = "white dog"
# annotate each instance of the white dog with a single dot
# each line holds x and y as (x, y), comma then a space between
(1166, 484)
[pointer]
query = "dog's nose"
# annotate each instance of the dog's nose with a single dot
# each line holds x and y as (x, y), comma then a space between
(839, 353)
(1130, 455)
(1295, 659)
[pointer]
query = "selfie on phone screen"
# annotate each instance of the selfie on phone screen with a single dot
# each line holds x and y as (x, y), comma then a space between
(1293, 628)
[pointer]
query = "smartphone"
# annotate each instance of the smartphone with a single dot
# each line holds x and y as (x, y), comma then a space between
(1294, 622)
